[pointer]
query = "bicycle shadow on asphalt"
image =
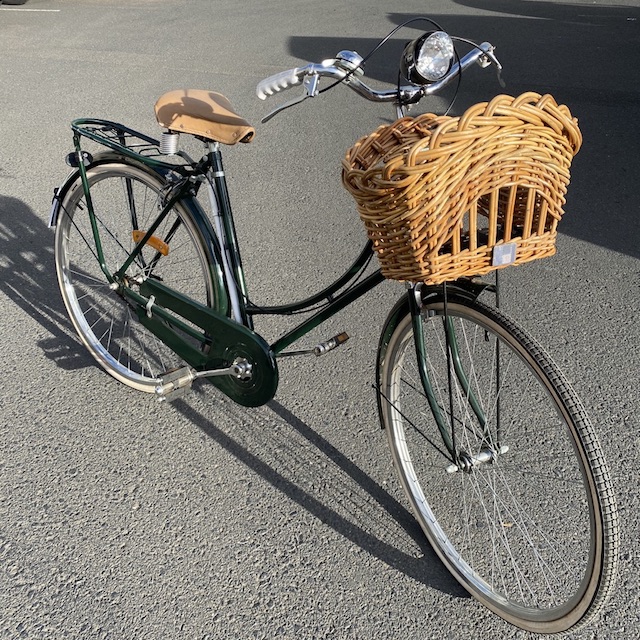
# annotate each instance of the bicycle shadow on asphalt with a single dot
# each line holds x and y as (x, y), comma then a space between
(586, 56)
(311, 472)
(27, 277)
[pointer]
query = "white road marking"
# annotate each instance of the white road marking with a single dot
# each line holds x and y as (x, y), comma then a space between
(32, 10)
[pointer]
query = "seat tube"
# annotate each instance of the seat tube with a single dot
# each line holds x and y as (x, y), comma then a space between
(225, 230)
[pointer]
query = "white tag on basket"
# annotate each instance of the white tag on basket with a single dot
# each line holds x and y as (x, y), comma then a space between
(504, 254)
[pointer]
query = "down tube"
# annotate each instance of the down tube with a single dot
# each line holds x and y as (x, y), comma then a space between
(340, 302)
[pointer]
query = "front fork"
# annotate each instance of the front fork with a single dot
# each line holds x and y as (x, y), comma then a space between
(463, 388)
(415, 305)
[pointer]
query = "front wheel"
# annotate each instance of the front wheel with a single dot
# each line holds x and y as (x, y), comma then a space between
(519, 506)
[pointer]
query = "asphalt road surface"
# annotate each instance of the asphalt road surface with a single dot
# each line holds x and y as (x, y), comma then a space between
(122, 518)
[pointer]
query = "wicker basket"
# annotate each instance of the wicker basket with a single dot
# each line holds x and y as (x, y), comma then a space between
(445, 197)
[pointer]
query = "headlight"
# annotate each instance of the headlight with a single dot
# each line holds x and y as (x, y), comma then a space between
(428, 58)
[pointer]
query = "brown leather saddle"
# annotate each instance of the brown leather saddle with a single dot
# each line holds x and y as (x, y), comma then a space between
(205, 114)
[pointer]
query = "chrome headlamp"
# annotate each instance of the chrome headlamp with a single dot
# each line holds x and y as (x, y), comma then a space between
(428, 58)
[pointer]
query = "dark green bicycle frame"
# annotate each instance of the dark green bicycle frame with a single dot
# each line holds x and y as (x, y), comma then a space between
(340, 294)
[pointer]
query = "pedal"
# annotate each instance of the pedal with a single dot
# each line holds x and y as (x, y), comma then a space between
(174, 384)
(319, 349)
(329, 345)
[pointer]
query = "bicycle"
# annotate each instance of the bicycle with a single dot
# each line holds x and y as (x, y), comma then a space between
(494, 450)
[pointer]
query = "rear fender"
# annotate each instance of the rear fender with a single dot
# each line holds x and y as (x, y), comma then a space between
(103, 157)
(190, 204)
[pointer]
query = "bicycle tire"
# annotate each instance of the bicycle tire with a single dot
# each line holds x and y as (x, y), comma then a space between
(106, 323)
(532, 534)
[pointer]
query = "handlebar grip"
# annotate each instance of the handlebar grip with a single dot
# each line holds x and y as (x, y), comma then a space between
(278, 82)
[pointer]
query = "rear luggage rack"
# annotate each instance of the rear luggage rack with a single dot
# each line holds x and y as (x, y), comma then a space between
(130, 143)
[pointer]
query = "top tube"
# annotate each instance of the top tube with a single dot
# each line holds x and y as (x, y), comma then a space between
(326, 295)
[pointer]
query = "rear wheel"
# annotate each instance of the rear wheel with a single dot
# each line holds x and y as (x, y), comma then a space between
(126, 200)
(524, 514)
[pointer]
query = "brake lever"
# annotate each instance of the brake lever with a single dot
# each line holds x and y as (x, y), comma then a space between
(310, 85)
(490, 58)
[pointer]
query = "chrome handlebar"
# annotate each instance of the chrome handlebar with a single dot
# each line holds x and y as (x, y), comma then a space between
(345, 68)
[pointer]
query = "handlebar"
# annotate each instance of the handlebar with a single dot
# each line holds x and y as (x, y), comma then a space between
(342, 69)
(280, 81)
